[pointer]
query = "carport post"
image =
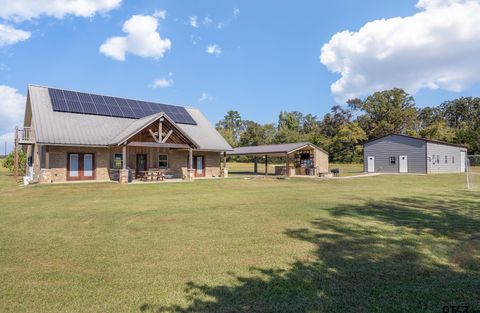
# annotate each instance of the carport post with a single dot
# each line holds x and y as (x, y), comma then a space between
(266, 165)
(287, 164)
(255, 165)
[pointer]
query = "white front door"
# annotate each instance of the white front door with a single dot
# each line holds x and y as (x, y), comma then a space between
(370, 164)
(403, 164)
(463, 161)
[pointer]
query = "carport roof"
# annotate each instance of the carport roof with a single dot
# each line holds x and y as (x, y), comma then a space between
(273, 149)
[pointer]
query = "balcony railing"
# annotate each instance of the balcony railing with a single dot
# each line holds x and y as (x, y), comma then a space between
(26, 136)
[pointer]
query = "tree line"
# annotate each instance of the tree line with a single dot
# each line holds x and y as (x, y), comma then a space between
(344, 129)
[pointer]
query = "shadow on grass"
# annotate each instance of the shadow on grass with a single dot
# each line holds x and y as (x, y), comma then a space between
(400, 255)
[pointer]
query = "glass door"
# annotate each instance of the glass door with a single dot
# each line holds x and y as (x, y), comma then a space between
(88, 165)
(80, 166)
(199, 165)
(74, 166)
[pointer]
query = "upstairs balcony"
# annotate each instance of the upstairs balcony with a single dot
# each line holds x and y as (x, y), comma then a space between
(25, 135)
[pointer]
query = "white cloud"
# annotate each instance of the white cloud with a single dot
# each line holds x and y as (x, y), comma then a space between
(163, 82)
(236, 12)
(204, 97)
(207, 21)
(436, 48)
(193, 20)
(214, 49)
(20, 10)
(12, 109)
(220, 25)
(10, 35)
(142, 39)
(160, 14)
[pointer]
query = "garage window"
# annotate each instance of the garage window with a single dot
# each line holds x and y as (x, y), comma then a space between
(446, 159)
(393, 160)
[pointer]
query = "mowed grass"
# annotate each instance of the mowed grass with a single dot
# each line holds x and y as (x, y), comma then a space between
(373, 244)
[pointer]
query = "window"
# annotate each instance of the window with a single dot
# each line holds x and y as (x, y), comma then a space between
(393, 160)
(162, 161)
(118, 161)
(438, 159)
(446, 159)
(453, 159)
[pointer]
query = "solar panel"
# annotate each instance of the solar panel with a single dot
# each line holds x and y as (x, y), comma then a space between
(70, 95)
(89, 108)
(84, 103)
(84, 97)
(59, 105)
(56, 94)
(74, 106)
(102, 109)
(116, 111)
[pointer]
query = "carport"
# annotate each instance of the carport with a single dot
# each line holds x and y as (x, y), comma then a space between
(301, 158)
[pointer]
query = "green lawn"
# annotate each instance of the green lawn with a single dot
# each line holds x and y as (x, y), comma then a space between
(373, 244)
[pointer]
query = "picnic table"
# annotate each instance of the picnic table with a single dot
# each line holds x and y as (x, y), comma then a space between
(151, 175)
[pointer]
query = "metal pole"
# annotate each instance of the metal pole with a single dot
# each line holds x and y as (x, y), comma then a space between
(15, 162)
(467, 165)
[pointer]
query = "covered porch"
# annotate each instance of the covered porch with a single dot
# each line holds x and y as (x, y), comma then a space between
(157, 150)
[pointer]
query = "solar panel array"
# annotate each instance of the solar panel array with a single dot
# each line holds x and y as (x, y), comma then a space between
(85, 103)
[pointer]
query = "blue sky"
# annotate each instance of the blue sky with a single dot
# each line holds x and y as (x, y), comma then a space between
(265, 54)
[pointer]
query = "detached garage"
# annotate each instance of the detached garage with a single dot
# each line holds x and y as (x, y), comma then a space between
(405, 154)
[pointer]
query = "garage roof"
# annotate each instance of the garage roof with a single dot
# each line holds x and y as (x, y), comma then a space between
(420, 138)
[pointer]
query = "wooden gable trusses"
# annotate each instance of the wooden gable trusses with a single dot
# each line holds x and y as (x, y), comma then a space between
(161, 131)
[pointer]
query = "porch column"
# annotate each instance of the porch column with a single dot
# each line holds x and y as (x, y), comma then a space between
(123, 173)
(124, 157)
(266, 165)
(255, 165)
(190, 171)
(47, 157)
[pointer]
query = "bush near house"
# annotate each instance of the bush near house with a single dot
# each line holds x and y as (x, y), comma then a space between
(9, 161)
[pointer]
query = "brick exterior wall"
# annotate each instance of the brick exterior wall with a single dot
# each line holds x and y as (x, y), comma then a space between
(321, 161)
(56, 170)
(58, 161)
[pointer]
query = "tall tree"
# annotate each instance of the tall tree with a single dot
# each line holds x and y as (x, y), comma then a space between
(231, 127)
(255, 134)
(389, 111)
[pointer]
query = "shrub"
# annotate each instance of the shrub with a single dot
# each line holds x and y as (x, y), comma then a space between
(8, 162)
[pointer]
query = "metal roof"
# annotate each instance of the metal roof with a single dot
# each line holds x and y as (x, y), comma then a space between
(273, 149)
(420, 138)
(61, 128)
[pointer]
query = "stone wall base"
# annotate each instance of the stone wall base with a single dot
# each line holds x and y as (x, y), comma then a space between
(123, 177)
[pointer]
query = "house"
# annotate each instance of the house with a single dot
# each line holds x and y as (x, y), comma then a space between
(301, 158)
(70, 136)
(406, 154)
